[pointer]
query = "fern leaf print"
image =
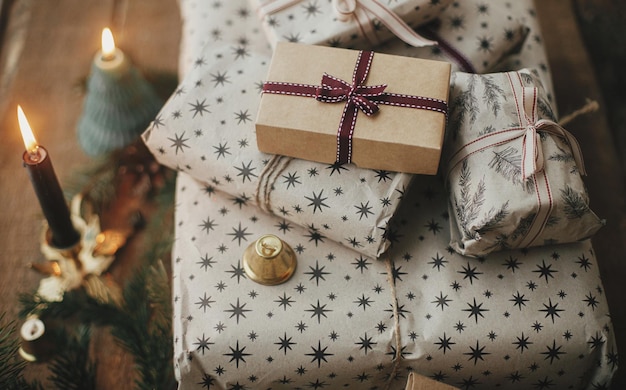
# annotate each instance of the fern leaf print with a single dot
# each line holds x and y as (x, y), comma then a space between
(508, 163)
(494, 94)
(575, 205)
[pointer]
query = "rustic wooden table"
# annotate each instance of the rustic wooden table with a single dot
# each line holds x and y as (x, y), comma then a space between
(46, 54)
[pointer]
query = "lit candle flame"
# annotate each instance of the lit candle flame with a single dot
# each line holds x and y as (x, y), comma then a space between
(27, 134)
(108, 44)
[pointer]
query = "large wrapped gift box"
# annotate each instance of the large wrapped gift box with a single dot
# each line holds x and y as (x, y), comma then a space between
(352, 24)
(513, 173)
(206, 129)
(337, 105)
(536, 318)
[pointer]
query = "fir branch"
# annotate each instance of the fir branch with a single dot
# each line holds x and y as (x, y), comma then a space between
(465, 103)
(486, 130)
(526, 78)
(523, 226)
(575, 205)
(493, 94)
(493, 219)
(545, 109)
(72, 369)
(561, 156)
(508, 163)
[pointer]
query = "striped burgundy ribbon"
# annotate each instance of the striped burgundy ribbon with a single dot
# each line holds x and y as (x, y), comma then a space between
(356, 96)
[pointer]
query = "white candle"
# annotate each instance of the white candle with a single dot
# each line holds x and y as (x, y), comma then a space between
(110, 59)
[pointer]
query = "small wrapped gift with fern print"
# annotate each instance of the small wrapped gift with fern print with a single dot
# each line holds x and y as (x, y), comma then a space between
(513, 173)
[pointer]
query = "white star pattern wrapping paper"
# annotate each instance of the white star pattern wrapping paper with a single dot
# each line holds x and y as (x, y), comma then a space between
(516, 319)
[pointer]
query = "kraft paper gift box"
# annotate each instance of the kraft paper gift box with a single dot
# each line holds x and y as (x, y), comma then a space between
(346, 23)
(206, 129)
(514, 320)
(513, 173)
(306, 113)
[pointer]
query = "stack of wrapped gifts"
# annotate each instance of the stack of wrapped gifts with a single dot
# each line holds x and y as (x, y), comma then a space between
(408, 156)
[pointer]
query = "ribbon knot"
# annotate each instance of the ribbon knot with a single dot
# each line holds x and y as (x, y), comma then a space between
(333, 90)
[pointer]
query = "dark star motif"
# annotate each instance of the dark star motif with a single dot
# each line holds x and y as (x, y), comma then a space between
(336, 167)
(207, 381)
(319, 311)
(285, 343)
(476, 353)
(284, 226)
(178, 142)
(291, 179)
(519, 300)
(470, 273)
(553, 352)
(365, 343)
(319, 354)
(219, 78)
(239, 234)
(221, 150)
(361, 263)
(364, 210)
(199, 107)
(237, 310)
(545, 271)
(522, 343)
(596, 341)
(237, 354)
(242, 116)
(441, 300)
(433, 226)
(206, 262)
(445, 343)
(208, 225)
(485, 43)
(204, 302)
(591, 301)
(241, 200)
(438, 261)
(237, 271)
(203, 344)
(475, 310)
(317, 273)
(311, 9)
(382, 176)
(363, 301)
(512, 263)
(584, 262)
(315, 235)
(317, 201)
(551, 310)
(245, 171)
(284, 301)
(240, 52)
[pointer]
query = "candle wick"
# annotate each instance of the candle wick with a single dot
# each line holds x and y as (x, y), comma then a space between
(34, 155)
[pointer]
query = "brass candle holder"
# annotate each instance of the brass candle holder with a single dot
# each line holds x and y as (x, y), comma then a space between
(81, 264)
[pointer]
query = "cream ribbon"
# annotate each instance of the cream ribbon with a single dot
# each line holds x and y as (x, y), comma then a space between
(362, 12)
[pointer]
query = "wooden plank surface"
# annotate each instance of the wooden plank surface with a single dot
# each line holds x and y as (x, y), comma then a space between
(46, 55)
(46, 58)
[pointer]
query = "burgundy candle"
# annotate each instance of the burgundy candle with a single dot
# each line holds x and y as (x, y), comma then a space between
(47, 188)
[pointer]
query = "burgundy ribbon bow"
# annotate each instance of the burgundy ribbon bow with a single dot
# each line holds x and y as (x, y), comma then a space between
(357, 97)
